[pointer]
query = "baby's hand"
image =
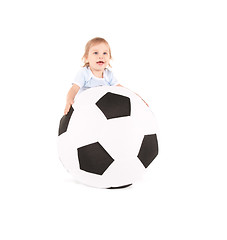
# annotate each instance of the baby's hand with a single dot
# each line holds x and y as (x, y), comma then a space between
(145, 102)
(67, 107)
(142, 99)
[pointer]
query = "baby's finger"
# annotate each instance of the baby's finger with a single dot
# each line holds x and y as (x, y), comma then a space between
(66, 109)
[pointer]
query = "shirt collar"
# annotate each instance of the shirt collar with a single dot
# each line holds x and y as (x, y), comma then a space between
(92, 75)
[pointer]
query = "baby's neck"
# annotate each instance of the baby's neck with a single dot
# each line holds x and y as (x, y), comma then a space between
(98, 74)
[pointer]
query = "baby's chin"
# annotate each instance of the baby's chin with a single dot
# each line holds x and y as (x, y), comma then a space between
(98, 68)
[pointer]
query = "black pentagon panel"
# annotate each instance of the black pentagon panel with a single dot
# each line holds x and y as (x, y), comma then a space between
(64, 122)
(114, 105)
(148, 150)
(93, 158)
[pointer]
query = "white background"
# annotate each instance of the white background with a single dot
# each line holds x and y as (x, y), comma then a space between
(173, 54)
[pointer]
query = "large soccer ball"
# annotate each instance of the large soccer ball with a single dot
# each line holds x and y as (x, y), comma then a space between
(108, 138)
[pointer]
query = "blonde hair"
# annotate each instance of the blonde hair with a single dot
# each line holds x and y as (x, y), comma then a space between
(91, 43)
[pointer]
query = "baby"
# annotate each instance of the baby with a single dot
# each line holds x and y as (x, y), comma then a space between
(94, 72)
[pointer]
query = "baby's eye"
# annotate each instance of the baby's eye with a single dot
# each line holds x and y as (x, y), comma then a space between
(95, 53)
(105, 53)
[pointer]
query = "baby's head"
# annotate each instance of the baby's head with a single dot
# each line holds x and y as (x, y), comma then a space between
(96, 48)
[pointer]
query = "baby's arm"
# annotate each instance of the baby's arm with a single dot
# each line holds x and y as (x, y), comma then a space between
(70, 97)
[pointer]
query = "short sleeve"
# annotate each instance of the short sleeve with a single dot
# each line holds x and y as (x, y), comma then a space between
(79, 79)
(112, 80)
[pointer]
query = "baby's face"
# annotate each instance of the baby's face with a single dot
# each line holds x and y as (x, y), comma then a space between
(98, 57)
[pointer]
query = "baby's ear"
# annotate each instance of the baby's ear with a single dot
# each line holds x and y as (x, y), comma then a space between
(84, 59)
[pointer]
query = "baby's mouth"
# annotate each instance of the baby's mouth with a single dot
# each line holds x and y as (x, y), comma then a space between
(100, 62)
